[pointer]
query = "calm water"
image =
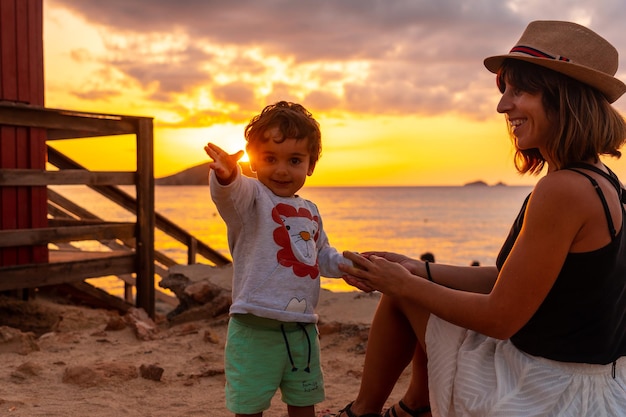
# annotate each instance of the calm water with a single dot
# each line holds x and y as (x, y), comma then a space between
(458, 224)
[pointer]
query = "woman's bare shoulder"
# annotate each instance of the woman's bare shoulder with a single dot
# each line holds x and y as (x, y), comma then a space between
(563, 187)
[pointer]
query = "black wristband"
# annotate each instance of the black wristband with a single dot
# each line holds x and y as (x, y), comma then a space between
(430, 277)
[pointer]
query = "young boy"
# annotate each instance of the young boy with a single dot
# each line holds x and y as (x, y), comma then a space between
(279, 250)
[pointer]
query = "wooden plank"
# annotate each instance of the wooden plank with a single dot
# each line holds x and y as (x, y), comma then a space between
(69, 206)
(75, 210)
(38, 275)
(3, 27)
(38, 236)
(8, 51)
(192, 251)
(35, 50)
(71, 222)
(23, 202)
(83, 124)
(38, 194)
(8, 195)
(22, 62)
(145, 218)
(65, 256)
(41, 177)
(84, 293)
(8, 143)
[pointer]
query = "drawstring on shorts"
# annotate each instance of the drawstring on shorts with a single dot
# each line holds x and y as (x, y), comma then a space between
(308, 339)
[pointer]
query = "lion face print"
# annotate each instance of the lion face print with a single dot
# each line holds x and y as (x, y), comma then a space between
(297, 234)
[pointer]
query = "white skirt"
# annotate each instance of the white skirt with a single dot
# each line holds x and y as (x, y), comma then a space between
(472, 375)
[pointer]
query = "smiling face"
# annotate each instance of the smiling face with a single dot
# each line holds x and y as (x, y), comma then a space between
(527, 117)
(281, 166)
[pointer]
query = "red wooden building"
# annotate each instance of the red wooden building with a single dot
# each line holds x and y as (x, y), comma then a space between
(21, 81)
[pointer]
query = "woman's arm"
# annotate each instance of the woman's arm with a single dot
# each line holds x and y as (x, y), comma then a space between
(553, 220)
(472, 279)
(478, 279)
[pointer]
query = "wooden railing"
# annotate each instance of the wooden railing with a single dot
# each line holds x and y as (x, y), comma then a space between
(130, 244)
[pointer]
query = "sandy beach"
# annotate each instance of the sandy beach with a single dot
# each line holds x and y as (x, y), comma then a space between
(80, 361)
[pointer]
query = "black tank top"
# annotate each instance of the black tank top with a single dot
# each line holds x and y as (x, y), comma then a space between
(583, 318)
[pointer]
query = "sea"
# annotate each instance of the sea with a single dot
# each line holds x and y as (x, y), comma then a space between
(458, 224)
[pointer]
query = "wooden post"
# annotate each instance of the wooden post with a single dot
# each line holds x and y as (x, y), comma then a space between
(21, 81)
(145, 217)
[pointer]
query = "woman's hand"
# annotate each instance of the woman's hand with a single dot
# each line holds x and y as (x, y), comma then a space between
(224, 165)
(376, 273)
(405, 261)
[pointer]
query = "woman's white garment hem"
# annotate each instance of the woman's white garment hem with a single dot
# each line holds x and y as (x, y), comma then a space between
(472, 375)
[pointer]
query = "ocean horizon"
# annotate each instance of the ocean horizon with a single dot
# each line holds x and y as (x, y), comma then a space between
(458, 224)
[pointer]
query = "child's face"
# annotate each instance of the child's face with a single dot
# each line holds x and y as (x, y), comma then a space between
(281, 167)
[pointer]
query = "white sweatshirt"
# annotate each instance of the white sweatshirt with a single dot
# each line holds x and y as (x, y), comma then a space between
(279, 250)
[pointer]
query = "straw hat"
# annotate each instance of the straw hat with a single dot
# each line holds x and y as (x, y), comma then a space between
(570, 49)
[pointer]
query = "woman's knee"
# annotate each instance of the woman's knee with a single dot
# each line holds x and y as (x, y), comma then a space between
(415, 315)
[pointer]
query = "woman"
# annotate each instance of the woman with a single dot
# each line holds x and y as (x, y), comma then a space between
(544, 332)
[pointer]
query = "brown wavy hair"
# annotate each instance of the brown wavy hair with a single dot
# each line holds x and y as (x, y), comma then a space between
(293, 121)
(585, 124)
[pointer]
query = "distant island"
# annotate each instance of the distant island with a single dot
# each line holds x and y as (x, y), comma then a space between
(196, 175)
(483, 184)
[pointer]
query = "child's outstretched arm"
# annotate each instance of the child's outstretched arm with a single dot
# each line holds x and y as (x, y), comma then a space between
(224, 164)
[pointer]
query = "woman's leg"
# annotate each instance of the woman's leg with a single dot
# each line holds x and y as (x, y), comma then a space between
(416, 395)
(392, 344)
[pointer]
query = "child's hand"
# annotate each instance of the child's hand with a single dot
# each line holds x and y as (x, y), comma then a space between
(224, 165)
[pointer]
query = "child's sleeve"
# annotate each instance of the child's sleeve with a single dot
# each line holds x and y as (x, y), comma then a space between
(233, 200)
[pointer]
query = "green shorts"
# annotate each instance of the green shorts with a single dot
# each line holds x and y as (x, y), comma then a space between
(263, 355)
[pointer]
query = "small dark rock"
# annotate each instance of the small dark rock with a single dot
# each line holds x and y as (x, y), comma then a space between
(151, 372)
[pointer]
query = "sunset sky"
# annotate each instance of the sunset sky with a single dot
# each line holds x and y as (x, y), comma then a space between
(398, 86)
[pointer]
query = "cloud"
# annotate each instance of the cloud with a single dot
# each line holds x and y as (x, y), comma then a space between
(363, 56)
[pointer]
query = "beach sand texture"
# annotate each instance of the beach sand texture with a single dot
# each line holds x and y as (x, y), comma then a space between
(88, 362)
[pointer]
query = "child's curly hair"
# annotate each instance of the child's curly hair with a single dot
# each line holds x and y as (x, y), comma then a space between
(293, 121)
